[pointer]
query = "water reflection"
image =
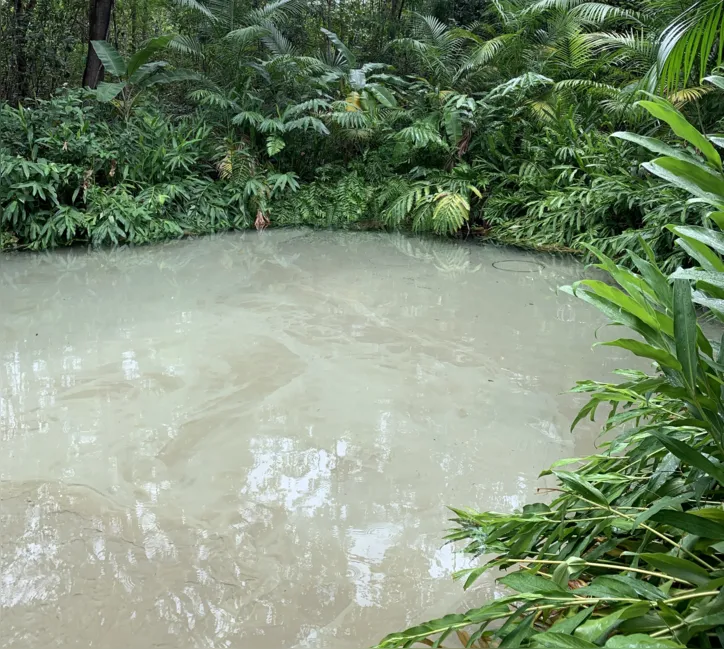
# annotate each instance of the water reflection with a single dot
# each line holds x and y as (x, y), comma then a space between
(252, 439)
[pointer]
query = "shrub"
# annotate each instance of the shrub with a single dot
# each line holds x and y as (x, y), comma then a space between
(631, 554)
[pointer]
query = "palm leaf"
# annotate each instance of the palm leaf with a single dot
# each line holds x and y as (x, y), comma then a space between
(350, 58)
(276, 11)
(688, 42)
(146, 52)
(196, 6)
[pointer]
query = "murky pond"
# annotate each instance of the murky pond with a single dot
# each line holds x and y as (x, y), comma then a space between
(250, 440)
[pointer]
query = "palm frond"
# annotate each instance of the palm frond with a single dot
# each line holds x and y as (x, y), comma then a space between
(307, 123)
(195, 5)
(486, 51)
(276, 42)
(688, 95)
(187, 45)
(344, 51)
(692, 40)
(248, 35)
(275, 11)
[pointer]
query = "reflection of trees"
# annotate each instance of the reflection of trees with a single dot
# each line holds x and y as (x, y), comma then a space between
(281, 420)
(454, 260)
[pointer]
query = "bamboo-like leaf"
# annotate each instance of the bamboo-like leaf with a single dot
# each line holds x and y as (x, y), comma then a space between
(685, 330)
(582, 487)
(677, 568)
(690, 455)
(661, 356)
(690, 523)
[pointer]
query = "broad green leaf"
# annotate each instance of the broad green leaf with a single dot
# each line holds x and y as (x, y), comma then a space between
(172, 76)
(145, 71)
(640, 641)
(525, 581)
(654, 278)
(621, 586)
(473, 576)
(561, 641)
(707, 236)
(521, 632)
(707, 622)
(690, 455)
(717, 80)
(677, 568)
(661, 356)
(106, 92)
(710, 303)
(718, 218)
(619, 298)
(666, 112)
(697, 181)
(710, 277)
(657, 146)
(685, 333)
(699, 251)
(569, 624)
(641, 588)
(341, 47)
(710, 513)
(382, 94)
(146, 52)
(110, 58)
(596, 629)
(453, 127)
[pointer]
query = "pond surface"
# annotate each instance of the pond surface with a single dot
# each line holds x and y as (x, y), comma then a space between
(250, 440)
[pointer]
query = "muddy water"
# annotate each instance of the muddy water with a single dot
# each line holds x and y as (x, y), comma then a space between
(249, 441)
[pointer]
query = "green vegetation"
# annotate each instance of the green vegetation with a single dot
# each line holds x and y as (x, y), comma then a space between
(530, 122)
(491, 117)
(631, 553)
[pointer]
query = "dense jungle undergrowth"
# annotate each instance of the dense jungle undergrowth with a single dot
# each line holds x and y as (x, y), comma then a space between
(484, 117)
(530, 122)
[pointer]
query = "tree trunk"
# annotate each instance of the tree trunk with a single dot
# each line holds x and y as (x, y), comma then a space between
(22, 16)
(396, 9)
(99, 22)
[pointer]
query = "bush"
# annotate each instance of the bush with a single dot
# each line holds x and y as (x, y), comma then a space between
(631, 554)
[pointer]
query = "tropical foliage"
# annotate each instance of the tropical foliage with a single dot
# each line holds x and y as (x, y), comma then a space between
(631, 551)
(529, 122)
(484, 118)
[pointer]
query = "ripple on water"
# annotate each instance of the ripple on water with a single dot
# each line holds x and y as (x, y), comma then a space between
(250, 440)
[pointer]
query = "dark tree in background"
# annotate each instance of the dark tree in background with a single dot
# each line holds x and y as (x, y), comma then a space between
(21, 26)
(99, 22)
